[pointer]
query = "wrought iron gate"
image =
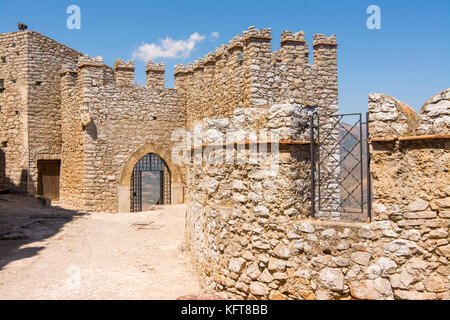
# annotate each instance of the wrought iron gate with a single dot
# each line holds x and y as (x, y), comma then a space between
(150, 179)
(340, 166)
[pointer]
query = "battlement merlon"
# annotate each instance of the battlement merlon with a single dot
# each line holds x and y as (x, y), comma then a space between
(87, 61)
(67, 69)
(155, 74)
(124, 73)
(325, 51)
(294, 49)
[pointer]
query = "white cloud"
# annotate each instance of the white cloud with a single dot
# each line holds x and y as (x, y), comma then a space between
(215, 35)
(168, 48)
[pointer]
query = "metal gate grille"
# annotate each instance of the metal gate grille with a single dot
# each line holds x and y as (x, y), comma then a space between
(153, 166)
(339, 166)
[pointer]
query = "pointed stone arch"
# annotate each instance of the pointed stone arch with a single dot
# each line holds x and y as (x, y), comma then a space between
(177, 188)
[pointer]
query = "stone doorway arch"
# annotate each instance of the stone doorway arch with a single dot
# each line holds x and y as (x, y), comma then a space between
(124, 195)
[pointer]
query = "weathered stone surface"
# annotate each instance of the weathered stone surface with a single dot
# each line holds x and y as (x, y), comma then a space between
(418, 205)
(211, 185)
(380, 225)
(276, 295)
(378, 289)
(402, 280)
(331, 278)
(401, 247)
(276, 265)
(236, 264)
(414, 295)
(265, 276)
(443, 250)
(253, 271)
(280, 276)
(304, 227)
(362, 258)
(411, 234)
(259, 289)
(443, 203)
(281, 251)
(329, 233)
(382, 267)
(341, 261)
(434, 284)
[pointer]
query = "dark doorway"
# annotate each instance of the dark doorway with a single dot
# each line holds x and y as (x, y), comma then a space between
(48, 178)
(150, 183)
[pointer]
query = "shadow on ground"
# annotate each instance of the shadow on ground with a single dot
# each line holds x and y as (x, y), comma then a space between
(25, 220)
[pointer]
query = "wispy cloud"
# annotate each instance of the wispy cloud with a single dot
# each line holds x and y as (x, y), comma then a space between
(215, 35)
(168, 48)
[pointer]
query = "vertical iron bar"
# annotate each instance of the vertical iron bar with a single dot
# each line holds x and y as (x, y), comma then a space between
(369, 180)
(313, 185)
(132, 192)
(361, 161)
(318, 162)
(140, 191)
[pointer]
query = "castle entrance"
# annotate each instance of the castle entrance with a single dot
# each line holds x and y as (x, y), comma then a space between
(150, 183)
(48, 178)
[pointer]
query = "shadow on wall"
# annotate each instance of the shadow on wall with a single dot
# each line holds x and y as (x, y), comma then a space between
(7, 184)
(24, 220)
(91, 130)
(2, 169)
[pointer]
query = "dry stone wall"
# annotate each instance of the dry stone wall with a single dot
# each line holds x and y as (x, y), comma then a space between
(249, 245)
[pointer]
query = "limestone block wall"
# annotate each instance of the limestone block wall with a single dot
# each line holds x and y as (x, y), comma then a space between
(123, 120)
(256, 250)
(13, 111)
(72, 134)
(30, 64)
(45, 57)
(245, 73)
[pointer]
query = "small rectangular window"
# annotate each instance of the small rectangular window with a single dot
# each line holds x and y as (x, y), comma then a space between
(2, 83)
(3, 59)
(38, 83)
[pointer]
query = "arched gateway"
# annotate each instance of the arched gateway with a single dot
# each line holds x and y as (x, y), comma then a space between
(149, 177)
(150, 183)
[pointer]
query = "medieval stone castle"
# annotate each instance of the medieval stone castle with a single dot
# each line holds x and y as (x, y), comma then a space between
(78, 131)
(48, 88)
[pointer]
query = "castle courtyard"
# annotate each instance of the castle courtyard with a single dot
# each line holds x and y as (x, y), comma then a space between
(57, 253)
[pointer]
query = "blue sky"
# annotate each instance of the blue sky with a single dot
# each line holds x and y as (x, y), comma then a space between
(409, 58)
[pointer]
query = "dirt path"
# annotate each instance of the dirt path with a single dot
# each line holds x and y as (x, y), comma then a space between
(102, 256)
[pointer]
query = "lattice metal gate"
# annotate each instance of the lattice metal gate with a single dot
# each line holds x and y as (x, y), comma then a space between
(340, 166)
(150, 183)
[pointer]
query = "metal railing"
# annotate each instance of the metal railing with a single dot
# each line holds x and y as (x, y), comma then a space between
(340, 179)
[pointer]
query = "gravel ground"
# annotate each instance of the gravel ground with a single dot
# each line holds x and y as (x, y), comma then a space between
(62, 254)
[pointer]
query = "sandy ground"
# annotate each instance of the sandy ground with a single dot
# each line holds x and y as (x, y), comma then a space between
(62, 254)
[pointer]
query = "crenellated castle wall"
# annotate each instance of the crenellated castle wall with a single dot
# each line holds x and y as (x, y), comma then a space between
(121, 118)
(245, 73)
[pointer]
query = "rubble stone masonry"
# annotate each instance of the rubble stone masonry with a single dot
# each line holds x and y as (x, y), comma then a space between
(251, 232)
